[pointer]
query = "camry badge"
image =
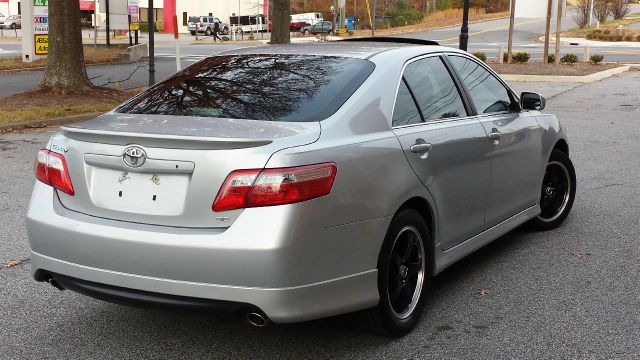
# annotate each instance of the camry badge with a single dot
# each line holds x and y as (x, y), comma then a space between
(134, 156)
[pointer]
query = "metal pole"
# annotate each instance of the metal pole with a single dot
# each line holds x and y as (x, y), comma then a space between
(130, 38)
(464, 31)
(373, 22)
(590, 12)
(511, 26)
(558, 29)
(107, 24)
(176, 37)
(547, 32)
(152, 65)
(95, 24)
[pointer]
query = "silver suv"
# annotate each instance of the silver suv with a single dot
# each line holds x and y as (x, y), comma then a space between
(206, 25)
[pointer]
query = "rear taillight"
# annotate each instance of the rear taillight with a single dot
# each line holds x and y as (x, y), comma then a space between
(51, 169)
(255, 188)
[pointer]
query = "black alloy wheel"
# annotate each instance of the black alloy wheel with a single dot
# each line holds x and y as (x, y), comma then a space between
(405, 268)
(557, 193)
(406, 272)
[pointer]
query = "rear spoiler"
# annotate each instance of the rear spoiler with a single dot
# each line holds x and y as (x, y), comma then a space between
(397, 40)
(161, 140)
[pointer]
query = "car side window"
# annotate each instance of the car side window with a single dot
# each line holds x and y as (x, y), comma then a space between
(487, 93)
(434, 90)
(405, 111)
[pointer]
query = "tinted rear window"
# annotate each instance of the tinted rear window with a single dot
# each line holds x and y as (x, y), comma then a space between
(299, 88)
(194, 19)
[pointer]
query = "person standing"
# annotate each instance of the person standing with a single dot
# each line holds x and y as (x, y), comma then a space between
(216, 30)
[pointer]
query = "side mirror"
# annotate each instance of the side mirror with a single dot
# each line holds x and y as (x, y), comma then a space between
(532, 101)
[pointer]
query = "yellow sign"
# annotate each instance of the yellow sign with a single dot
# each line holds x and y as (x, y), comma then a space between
(134, 26)
(42, 44)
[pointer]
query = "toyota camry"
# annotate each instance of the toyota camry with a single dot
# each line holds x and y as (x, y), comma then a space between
(292, 182)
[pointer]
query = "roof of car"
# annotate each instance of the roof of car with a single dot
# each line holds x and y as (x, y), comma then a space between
(354, 49)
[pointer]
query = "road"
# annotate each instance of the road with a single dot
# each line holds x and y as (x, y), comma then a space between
(484, 36)
(487, 37)
(118, 76)
(566, 293)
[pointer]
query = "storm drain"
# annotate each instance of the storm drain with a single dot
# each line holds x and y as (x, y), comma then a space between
(630, 107)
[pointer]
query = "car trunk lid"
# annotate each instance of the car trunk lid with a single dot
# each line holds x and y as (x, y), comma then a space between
(166, 170)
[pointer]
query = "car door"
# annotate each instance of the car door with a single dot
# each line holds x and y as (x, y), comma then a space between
(446, 146)
(515, 136)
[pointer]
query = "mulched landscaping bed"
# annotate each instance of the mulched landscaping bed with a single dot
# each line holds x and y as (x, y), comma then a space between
(37, 105)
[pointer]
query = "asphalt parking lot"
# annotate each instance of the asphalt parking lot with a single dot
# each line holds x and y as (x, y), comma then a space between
(569, 293)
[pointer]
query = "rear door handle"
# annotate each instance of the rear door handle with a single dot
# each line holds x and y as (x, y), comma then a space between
(495, 136)
(420, 147)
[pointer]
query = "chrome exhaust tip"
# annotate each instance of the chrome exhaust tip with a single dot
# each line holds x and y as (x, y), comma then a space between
(256, 319)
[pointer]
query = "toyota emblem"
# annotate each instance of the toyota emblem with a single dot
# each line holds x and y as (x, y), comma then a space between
(134, 156)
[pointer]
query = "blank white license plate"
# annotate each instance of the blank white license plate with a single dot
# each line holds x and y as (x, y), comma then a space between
(140, 193)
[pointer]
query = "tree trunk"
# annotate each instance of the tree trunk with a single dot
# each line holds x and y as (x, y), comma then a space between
(281, 13)
(65, 67)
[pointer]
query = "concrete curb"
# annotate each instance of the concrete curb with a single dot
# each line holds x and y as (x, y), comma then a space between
(567, 79)
(592, 43)
(49, 122)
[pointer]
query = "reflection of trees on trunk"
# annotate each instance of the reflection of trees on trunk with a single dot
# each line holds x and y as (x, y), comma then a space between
(265, 87)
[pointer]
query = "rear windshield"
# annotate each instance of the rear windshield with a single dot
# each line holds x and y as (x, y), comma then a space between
(194, 19)
(300, 88)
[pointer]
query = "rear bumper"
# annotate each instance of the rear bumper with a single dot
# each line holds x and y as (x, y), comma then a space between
(133, 297)
(291, 272)
(282, 305)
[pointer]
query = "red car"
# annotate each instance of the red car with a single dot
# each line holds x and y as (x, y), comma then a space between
(294, 26)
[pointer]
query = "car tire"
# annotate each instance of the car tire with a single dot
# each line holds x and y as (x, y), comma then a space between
(208, 32)
(305, 32)
(557, 193)
(193, 33)
(405, 268)
(225, 31)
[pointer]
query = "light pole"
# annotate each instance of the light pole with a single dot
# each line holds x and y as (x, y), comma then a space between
(152, 65)
(464, 31)
(95, 24)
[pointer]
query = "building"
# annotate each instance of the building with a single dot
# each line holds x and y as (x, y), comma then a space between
(163, 10)
(9, 7)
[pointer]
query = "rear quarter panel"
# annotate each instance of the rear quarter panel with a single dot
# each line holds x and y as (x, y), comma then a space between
(373, 180)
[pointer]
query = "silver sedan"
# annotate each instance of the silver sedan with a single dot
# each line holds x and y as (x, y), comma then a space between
(274, 186)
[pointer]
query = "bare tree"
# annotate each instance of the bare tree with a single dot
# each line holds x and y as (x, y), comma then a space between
(619, 9)
(65, 67)
(582, 13)
(601, 10)
(281, 19)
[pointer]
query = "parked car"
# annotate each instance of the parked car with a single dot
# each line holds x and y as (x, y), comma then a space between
(281, 184)
(294, 26)
(11, 22)
(206, 24)
(319, 28)
(310, 18)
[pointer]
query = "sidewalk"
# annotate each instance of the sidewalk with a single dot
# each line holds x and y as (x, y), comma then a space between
(547, 89)
(593, 43)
